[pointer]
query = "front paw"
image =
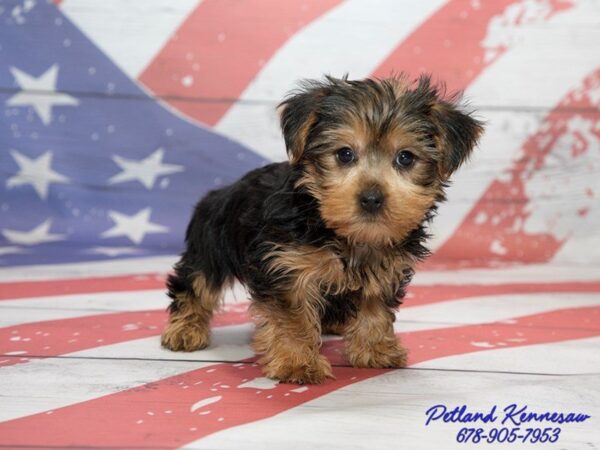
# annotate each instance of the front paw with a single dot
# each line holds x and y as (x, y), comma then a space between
(387, 354)
(186, 336)
(310, 372)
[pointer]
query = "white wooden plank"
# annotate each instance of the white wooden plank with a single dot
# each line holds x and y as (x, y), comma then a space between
(120, 267)
(233, 343)
(566, 41)
(583, 245)
(355, 37)
(51, 383)
(474, 310)
(530, 273)
(581, 356)
(485, 309)
(230, 343)
(563, 40)
(15, 312)
(389, 411)
(130, 32)
(27, 310)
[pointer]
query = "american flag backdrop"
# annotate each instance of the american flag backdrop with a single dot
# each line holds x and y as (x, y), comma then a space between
(117, 115)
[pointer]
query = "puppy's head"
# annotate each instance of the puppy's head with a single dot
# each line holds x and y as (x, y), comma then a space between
(376, 154)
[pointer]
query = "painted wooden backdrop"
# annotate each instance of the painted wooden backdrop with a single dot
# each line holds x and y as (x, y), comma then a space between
(116, 115)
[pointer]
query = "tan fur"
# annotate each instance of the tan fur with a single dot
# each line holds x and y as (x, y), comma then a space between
(400, 85)
(289, 337)
(337, 329)
(407, 201)
(314, 272)
(377, 207)
(376, 272)
(370, 340)
(406, 205)
(288, 341)
(189, 327)
(310, 271)
(297, 146)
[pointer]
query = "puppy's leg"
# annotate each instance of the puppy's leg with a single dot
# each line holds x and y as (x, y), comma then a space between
(288, 311)
(369, 338)
(195, 298)
(289, 340)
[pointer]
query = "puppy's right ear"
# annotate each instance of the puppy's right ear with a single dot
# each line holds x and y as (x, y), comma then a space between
(298, 113)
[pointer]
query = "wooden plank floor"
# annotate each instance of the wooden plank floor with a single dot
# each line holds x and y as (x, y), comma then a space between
(506, 312)
(110, 385)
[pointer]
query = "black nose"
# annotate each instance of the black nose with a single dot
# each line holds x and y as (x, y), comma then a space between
(371, 200)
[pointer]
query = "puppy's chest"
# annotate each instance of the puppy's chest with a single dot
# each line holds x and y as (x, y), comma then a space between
(369, 272)
(336, 270)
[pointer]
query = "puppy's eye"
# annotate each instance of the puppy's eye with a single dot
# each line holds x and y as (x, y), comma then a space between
(345, 155)
(405, 159)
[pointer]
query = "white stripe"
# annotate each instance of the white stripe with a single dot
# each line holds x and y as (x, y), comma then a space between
(526, 75)
(355, 37)
(129, 32)
(566, 38)
(229, 344)
(27, 310)
(15, 312)
(584, 244)
(119, 267)
(485, 309)
(579, 356)
(48, 384)
(532, 273)
(478, 309)
(391, 408)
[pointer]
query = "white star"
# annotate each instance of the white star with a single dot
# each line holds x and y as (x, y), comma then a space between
(12, 250)
(146, 171)
(38, 235)
(134, 227)
(113, 251)
(40, 93)
(36, 172)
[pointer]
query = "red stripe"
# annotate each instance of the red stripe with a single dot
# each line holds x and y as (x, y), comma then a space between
(555, 326)
(59, 337)
(221, 47)
(28, 289)
(420, 294)
(529, 228)
(423, 295)
(452, 43)
(138, 417)
(62, 336)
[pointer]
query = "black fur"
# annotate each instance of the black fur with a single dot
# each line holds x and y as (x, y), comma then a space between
(230, 228)
(233, 229)
(319, 105)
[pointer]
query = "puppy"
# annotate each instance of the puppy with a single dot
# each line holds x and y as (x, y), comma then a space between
(327, 242)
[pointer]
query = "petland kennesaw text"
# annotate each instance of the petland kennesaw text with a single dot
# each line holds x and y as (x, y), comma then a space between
(511, 415)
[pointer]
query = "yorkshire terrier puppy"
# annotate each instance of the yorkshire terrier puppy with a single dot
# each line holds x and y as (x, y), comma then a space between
(327, 242)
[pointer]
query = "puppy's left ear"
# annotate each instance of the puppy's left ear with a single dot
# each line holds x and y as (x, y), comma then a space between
(457, 134)
(298, 114)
